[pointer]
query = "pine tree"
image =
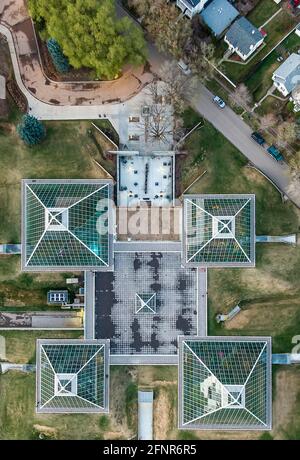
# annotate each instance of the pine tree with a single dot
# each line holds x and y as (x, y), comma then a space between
(31, 130)
(59, 60)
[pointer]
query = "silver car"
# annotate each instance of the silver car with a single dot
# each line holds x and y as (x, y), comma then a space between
(217, 100)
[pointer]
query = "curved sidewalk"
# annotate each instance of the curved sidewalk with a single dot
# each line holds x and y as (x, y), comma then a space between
(50, 99)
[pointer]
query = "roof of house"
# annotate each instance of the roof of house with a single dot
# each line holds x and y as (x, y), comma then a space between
(193, 3)
(218, 15)
(225, 383)
(243, 35)
(289, 72)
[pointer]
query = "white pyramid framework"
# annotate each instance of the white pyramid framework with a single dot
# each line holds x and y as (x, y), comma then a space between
(145, 303)
(219, 230)
(72, 376)
(225, 383)
(65, 224)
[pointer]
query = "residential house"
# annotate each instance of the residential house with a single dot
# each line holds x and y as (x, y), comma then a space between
(191, 7)
(243, 38)
(287, 76)
(287, 79)
(218, 16)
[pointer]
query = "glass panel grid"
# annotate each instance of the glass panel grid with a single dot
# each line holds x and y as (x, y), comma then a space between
(84, 362)
(209, 369)
(206, 223)
(86, 240)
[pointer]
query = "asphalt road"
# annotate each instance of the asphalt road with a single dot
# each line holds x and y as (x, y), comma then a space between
(231, 126)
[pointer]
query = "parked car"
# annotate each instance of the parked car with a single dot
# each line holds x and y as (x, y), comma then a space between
(217, 100)
(184, 67)
(258, 138)
(272, 150)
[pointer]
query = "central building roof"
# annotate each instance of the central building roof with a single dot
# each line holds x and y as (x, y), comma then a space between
(144, 305)
(219, 230)
(66, 225)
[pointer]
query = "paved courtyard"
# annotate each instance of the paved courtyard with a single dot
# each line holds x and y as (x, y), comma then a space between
(146, 303)
(145, 179)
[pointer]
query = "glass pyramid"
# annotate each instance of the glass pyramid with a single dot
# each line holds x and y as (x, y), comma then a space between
(72, 376)
(65, 224)
(225, 383)
(219, 230)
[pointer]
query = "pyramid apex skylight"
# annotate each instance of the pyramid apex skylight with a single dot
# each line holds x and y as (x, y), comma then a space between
(72, 376)
(225, 383)
(219, 230)
(65, 225)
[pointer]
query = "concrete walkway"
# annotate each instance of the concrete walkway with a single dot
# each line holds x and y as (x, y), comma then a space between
(45, 96)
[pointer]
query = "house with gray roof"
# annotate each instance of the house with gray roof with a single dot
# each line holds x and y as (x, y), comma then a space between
(243, 38)
(191, 7)
(218, 16)
(287, 77)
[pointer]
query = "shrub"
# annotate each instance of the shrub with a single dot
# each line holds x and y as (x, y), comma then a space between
(59, 60)
(31, 130)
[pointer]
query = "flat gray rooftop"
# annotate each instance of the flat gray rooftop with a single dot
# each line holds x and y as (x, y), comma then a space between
(146, 303)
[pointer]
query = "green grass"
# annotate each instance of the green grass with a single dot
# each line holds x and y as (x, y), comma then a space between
(21, 345)
(272, 289)
(18, 419)
(276, 30)
(67, 152)
(262, 12)
(261, 80)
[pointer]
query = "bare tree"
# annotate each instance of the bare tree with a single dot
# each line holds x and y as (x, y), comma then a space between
(201, 60)
(178, 86)
(171, 33)
(241, 96)
(287, 132)
(268, 121)
(158, 125)
(294, 186)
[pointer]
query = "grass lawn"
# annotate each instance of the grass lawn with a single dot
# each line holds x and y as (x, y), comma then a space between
(21, 345)
(67, 152)
(262, 12)
(270, 105)
(276, 30)
(271, 291)
(261, 80)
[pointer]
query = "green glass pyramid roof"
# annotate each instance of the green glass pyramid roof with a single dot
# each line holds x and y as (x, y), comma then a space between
(219, 230)
(65, 224)
(72, 376)
(225, 383)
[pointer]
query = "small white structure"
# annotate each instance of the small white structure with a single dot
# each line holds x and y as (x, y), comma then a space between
(2, 87)
(243, 38)
(287, 77)
(145, 415)
(191, 7)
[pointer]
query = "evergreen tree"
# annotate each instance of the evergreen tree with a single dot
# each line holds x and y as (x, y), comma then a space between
(31, 130)
(59, 60)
